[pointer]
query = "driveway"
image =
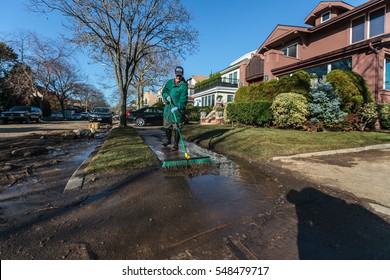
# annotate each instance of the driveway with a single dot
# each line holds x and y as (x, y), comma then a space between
(363, 173)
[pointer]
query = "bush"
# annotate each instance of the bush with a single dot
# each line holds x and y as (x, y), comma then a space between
(362, 86)
(210, 79)
(324, 107)
(299, 82)
(193, 112)
(365, 118)
(289, 110)
(262, 91)
(384, 115)
(351, 88)
(251, 113)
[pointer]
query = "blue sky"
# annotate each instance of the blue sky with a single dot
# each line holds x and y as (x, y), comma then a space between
(227, 29)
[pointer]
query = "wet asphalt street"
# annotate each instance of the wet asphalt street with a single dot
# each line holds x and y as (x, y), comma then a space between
(236, 211)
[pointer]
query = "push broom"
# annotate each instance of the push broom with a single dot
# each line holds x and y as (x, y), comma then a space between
(188, 164)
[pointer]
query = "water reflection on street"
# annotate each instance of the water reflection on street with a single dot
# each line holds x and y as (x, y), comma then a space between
(229, 191)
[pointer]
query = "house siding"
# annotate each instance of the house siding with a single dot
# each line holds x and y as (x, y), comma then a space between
(328, 42)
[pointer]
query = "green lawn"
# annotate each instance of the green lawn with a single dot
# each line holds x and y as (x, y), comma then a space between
(124, 149)
(259, 144)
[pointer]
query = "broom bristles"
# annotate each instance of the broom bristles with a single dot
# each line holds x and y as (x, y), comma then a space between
(172, 164)
(187, 167)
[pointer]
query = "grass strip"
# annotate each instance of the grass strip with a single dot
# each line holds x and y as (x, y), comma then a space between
(259, 144)
(123, 149)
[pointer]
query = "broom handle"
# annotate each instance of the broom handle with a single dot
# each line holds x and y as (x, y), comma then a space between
(186, 155)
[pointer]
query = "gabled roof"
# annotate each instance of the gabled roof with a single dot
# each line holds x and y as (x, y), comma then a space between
(282, 32)
(199, 78)
(325, 6)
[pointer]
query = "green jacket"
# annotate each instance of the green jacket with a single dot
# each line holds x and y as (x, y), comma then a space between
(179, 96)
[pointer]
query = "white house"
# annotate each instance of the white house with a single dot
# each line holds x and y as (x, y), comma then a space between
(224, 88)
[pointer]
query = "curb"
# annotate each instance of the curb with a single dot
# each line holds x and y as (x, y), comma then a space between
(76, 181)
(335, 152)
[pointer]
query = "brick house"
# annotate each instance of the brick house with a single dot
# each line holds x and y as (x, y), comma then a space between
(340, 36)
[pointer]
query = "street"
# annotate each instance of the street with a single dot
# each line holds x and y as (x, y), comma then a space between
(237, 211)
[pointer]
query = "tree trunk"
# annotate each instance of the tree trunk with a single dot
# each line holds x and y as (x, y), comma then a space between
(123, 107)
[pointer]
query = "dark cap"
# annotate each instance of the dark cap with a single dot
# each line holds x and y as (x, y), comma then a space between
(179, 71)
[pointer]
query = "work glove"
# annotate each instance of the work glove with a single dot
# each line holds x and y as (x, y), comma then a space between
(174, 109)
(169, 99)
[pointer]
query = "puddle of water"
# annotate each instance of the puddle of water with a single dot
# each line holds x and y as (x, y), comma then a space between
(230, 190)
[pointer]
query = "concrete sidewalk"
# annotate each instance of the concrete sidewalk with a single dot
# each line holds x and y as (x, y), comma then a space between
(363, 172)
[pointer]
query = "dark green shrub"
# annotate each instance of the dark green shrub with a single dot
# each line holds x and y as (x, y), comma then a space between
(261, 91)
(251, 113)
(289, 110)
(362, 86)
(384, 115)
(299, 82)
(351, 88)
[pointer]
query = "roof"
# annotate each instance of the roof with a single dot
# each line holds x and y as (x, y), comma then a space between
(199, 78)
(285, 33)
(242, 58)
(282, 32)
(324, 6)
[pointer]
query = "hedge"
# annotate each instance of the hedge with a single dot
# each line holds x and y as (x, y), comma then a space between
(251, 113)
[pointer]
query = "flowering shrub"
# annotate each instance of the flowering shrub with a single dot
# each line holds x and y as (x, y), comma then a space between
(289, 110)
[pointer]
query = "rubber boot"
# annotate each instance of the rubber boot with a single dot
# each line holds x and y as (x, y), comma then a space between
(176, 139)
(168, 134)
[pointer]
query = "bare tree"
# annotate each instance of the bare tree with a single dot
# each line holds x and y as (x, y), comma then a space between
(63, 80)
(124, 32)
(152, 70)
(40, 54)
(89, 96)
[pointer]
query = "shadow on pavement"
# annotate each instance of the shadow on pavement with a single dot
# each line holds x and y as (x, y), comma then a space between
(331, 228)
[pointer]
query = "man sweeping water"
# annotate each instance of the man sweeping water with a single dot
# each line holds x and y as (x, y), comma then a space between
(175, 94)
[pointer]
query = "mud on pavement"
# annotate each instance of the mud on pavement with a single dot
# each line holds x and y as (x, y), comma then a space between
(271, 213)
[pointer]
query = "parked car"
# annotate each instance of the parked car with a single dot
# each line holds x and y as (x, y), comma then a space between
(143, 116)
(84, 115)
(76, 116)
(21, 114)
(101, 114)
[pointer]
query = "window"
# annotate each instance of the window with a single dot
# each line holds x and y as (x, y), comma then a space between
(386, 82)
(230, 98)
(322, 70)
(358, 30)
(345, 65)
(377, 22)
(230, 78)
(235, 80)
(325, 17)
(291, 51)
